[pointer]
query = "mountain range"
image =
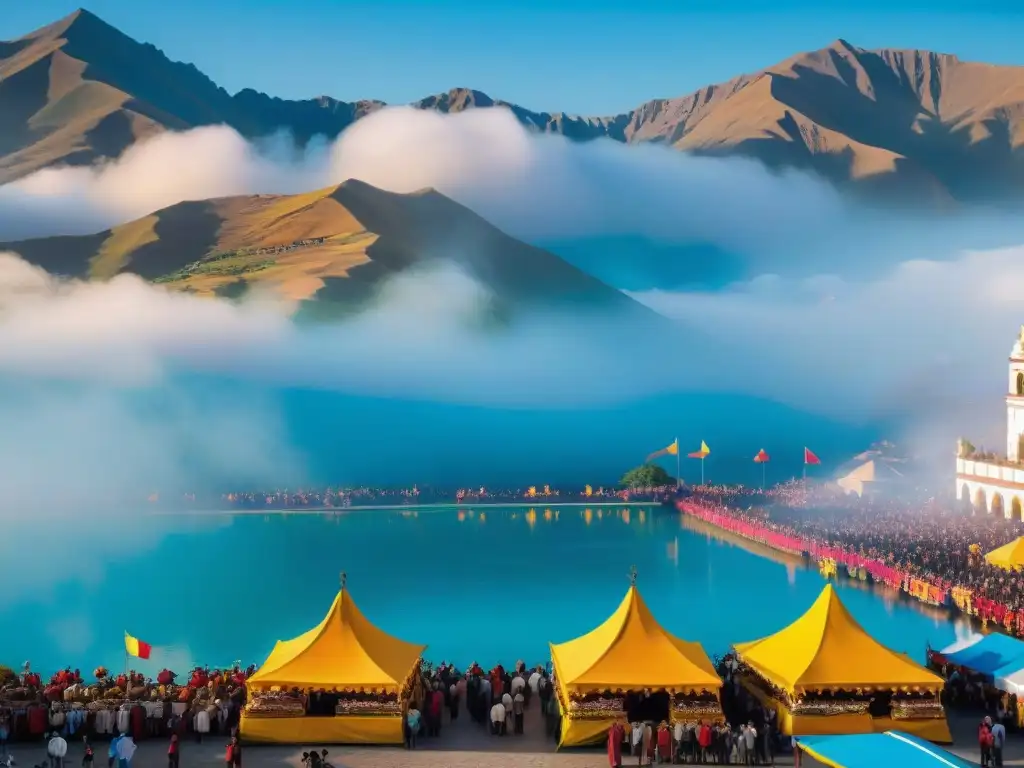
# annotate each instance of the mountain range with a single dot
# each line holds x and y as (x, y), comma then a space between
(921, 127)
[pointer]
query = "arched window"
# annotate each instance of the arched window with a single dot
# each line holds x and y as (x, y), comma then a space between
(1020, 383)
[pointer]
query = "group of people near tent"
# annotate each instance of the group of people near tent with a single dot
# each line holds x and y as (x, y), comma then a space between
(935, 552)
(985, 673)
(820, 674)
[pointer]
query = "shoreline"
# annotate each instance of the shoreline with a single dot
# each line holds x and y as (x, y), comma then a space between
(952, 612)
(400, 507)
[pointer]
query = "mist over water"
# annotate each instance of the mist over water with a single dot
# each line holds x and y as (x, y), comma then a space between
(792, 317)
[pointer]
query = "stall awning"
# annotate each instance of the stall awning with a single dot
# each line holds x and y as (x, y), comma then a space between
(827, 649)
(631, 651)
(1009, 556)
(988, 654)
(999, 656)
(344, 652)
(870, 750)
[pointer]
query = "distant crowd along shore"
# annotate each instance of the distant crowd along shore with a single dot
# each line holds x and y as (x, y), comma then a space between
(340, 498)
(930, 549)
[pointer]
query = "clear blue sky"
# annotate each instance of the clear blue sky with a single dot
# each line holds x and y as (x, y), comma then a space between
(592, 57)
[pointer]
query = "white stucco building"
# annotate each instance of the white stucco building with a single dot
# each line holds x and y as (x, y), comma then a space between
(995, 484)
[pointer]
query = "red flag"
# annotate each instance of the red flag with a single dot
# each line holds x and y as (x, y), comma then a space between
(762, 457)
(810, 458)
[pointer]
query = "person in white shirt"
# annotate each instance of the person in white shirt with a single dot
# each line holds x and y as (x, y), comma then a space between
(453, 701)
(518, 683)
(56, 749)
(637, 738)
(498, 719)
(506, 703)
(534, 681)
(750, 742)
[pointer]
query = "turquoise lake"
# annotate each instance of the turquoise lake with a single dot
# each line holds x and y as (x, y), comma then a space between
(487, 585)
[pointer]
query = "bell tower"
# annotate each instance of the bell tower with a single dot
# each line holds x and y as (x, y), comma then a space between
(1015, 402)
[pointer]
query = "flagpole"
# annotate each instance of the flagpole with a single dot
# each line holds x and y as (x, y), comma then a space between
(678, 472)
(762, 475)
(702, 470)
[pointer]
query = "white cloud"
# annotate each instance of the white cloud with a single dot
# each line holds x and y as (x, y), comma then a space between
(849, 313)
(927, 340)
(538, 187)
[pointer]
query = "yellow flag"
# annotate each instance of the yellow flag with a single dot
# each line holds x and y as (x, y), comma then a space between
(588, 491)
(704, 451)
(670, 450)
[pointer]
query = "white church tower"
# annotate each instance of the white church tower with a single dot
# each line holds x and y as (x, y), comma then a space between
(990, 483)
(1015, 402)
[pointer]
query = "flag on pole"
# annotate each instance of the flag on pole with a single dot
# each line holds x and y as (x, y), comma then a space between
(136, 647)
(810, 458)
(762, 459)
(672, 449)
(703, 452)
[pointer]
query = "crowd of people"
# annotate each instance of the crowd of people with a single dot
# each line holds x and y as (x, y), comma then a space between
(120, 711)
(932, 549)
(364, 496)
(497, 700)
(111, 715)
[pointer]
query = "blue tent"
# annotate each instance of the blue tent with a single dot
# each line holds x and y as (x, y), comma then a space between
(870, 750)
(997, 656)
(991, 654)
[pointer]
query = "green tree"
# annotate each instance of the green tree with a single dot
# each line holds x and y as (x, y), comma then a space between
(646, 475)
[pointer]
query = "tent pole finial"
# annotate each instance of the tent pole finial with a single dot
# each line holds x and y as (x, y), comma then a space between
(344, 578)
(632, 575)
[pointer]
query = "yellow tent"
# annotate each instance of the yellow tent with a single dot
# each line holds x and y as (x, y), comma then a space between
(344, 652)
(631, 651)
(1009, 556)
(827, 649)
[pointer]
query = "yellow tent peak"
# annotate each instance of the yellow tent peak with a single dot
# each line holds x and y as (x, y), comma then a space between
(630, 651)
(343, 651)
(1009, 556)
(827, 648)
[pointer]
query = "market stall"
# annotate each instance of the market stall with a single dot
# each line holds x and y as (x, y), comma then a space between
(630, 668)
(824, 675)
(997, 658)
(343, 682)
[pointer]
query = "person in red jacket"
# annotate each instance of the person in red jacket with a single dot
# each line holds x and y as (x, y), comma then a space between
(664, 743)
(985, 742)
(704, 740)
(173, 752)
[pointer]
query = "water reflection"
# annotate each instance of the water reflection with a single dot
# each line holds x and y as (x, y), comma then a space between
(573, 560)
